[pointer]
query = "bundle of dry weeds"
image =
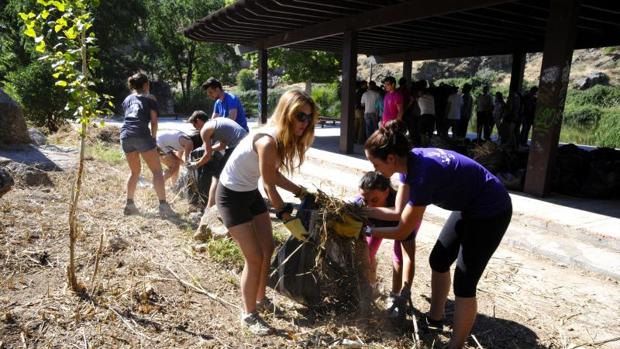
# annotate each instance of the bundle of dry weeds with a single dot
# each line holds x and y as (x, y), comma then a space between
(341, 264)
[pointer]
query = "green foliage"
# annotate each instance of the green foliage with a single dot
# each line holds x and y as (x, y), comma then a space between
(245, 80)
(608, 131)
(582, 116)
(197, 100)
(33, 88)
(599, 95)
(249, 99)
(102, 151)
(225, 251)
(326, 98)
(301, 66)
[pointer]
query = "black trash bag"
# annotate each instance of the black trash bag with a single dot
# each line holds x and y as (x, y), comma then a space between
(292, 271)
(513, 180)
(602, 181)
(194, 185)
(571, 170)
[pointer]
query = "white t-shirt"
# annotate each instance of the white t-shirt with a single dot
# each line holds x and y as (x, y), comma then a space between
(169, 141)
(369, 99)
(426, 102)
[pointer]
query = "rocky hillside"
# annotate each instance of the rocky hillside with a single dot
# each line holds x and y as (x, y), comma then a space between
(585, 62)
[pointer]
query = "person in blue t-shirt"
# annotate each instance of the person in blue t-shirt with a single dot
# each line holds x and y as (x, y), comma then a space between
(140, 109)
(481, 207)
(226, 104)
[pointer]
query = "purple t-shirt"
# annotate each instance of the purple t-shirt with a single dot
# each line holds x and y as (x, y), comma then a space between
(454, 182)
(390, 106)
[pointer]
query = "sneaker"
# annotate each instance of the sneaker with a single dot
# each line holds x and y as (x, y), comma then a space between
(165, 211)
(255, 324)
(389, 303)
(130, 209)
(432, 324)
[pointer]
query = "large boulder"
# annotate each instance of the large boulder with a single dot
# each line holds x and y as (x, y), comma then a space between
(13, 130)
(596, 78)
(6, 181)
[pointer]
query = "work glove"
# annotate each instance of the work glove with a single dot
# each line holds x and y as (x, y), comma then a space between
(296, 228)
(349, 227)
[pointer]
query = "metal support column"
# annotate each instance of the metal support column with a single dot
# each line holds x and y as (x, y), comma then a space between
(407, 70)
(349, 74)
(555, 70)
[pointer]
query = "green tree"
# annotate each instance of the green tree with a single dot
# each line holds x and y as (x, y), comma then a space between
(62, 29)
(305, 66)
(179, 59)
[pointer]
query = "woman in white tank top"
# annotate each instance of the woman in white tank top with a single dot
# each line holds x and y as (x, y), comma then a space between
(243, 209)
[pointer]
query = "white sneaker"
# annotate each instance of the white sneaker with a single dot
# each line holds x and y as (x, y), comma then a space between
(255, 324)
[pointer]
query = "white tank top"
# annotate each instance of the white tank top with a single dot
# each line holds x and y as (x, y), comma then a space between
(241, 172)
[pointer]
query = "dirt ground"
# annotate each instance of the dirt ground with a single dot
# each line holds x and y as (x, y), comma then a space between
(152, 290)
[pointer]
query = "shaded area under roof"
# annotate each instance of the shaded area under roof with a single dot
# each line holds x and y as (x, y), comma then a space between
(394, 30)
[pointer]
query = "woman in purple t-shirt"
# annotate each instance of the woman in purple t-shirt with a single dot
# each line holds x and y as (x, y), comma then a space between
(481, 213)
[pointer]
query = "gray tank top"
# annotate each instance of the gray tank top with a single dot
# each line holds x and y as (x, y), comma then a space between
(227, 131)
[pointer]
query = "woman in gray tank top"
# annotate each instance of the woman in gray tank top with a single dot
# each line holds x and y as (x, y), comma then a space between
(241, 205)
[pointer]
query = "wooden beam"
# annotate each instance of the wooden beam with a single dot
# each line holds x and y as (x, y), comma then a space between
(262, 74)
(398, 13)
(518, 69)
(463, 51)
(554, 74)
(349, 74)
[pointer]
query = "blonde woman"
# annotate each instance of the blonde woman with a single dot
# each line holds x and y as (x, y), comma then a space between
(263, 154)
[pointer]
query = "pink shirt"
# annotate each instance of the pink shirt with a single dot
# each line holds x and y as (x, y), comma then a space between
(390, 109)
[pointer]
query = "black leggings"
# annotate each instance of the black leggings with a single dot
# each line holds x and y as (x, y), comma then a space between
(471, 242)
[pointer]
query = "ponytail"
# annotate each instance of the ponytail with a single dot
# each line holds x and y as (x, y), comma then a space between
(389, 139)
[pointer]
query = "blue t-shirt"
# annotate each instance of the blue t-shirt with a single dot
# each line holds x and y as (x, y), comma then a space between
(223, 107)
(454, 182)
(137, 115)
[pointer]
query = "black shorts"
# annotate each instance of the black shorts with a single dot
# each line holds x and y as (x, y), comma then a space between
(238, 207)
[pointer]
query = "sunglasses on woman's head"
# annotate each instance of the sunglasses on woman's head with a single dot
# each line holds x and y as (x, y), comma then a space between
(303, 117)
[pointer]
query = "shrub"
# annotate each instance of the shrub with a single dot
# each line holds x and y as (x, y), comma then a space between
(249, 99)
(43, 103)
(608, 132)
(245, 80)
(599, 95)
(197, 101)
(326, 98)
(583, 116)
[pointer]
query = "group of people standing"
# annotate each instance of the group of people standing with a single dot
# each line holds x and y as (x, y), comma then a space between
(426, 109)
(480, 204)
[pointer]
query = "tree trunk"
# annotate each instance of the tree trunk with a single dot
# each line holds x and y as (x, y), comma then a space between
(190, 67)
(309, 87)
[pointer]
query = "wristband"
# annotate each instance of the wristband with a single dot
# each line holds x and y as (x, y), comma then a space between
(287, 208)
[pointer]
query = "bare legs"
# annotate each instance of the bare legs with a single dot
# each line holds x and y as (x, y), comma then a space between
(255, 239)
(465, 309)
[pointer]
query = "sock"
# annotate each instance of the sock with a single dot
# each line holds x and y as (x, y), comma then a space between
(162, 202)
(129, 201)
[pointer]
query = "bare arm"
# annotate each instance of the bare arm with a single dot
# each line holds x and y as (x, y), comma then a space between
(188, 146)
(219, 146)
(391, 213)
(401, 110)
(153, 124)
(409, 220)
(205, 134)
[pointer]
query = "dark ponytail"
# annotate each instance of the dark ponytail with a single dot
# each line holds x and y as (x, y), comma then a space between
(136, 81)
(389, 139)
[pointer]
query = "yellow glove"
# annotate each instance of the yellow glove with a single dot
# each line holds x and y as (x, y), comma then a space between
(296, 229)
(349, 227)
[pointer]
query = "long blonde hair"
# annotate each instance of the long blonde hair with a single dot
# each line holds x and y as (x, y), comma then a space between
(288, 145)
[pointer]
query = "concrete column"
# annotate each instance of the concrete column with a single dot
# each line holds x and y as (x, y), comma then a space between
(555, 70)
(262, 75)
(349, 74)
